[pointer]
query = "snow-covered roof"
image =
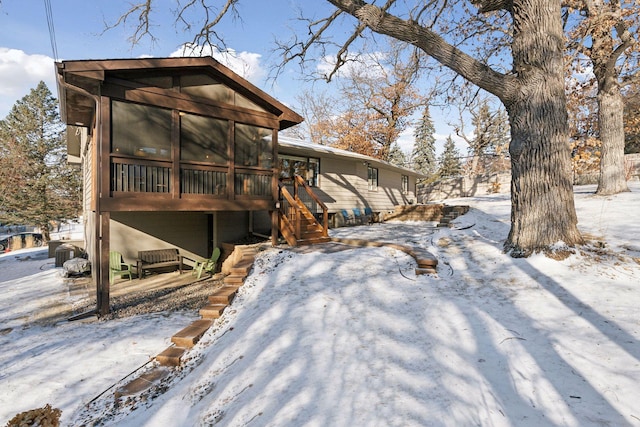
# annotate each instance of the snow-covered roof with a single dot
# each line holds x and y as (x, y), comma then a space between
(293, 145)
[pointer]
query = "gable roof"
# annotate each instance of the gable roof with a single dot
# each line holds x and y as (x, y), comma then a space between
(300, 147)
(79, 81)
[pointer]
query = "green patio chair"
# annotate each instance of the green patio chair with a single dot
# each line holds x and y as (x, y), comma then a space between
(207, 265)
(117, 267)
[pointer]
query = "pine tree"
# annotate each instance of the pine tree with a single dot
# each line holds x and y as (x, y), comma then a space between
(36, 184)
(449, 161)
(397, 156)
(423, 155)
(491, 136)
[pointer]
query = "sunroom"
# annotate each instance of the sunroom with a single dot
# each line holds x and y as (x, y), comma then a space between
(176, 152)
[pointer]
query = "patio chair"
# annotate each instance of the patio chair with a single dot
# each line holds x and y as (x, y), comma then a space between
(357, 215)
(207, 265)
(117, 267)
(368, 215)
(347, 217)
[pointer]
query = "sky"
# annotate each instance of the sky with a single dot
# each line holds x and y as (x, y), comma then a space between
(27, 56)
(351, 336)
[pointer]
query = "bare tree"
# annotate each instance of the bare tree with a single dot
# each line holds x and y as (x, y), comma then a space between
(606, 33)
(543, 211)
(632, 119)
(377, 97)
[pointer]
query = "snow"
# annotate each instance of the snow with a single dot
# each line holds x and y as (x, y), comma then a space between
(354, 338)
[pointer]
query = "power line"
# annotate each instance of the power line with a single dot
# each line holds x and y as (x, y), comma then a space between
(52, 31)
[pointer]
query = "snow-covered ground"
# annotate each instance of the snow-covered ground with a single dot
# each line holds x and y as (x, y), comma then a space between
(355, 338)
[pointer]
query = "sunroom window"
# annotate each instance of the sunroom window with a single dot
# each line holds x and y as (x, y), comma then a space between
(140, 130)
(254, 146)
(203, 139)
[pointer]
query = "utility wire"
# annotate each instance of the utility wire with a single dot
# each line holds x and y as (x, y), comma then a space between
(52, 31)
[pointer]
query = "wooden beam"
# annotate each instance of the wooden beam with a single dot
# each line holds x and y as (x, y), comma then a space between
(103, 266)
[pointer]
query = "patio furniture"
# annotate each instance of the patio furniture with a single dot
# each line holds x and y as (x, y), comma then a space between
(117, 267)
(207, 265)
(158, 259)
(347, 217)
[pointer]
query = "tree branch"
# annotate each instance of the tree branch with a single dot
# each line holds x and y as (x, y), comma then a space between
(431, 43)
(486, 6)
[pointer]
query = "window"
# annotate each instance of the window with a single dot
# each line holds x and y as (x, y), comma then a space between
(405, 184)
(372, 178)
(203, 139)
(306, 167)
(140, 130)
(254, 146)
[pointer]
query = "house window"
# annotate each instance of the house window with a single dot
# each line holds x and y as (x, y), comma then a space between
(405, 184)
(203, 139)
(140, 130)
(372, 178)
(254, 146)
(306, 167)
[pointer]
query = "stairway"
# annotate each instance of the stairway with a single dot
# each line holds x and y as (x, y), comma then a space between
(311, 231)
(297, 223)
(449, 213)
(219, 300)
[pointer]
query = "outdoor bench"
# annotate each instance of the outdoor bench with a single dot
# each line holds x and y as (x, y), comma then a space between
(158, 258)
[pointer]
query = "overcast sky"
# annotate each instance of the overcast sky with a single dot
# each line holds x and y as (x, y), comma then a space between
(27, 55)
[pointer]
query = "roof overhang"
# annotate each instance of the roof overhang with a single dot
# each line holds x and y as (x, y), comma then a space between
(79, 83)
(304, 148)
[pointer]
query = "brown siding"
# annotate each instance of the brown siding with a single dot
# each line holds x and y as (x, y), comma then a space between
(133, 232)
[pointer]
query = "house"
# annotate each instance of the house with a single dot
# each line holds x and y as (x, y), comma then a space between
(344, 180)
(183, 153)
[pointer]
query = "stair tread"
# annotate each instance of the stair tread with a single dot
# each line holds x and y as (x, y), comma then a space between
(212, 311)
(224, 295)
(171, 356)
(190, 335)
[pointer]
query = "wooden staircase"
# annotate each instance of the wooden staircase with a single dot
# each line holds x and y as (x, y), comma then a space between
(296, 220)
(219, 300)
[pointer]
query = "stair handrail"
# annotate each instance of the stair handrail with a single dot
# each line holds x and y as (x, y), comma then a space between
(298, 180)
(295, 227)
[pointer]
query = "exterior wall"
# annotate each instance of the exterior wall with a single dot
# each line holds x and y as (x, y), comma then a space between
(138, 231)
(389, 192)
(187, 231)
(88, 217)
(230, 226)
(343, 185)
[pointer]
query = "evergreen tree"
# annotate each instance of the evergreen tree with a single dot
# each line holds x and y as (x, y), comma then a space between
(491, 136)
(36, 184)
(449, 160)
(397, 156)
(423, 155)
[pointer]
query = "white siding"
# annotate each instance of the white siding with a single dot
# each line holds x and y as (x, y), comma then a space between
(343, 185)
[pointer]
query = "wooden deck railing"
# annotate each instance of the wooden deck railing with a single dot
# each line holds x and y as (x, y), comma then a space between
(140, 177)
(134, 175)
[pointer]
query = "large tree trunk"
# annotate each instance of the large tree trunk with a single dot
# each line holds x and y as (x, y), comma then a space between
(542, 209)
(542, 206)
(612, 178)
